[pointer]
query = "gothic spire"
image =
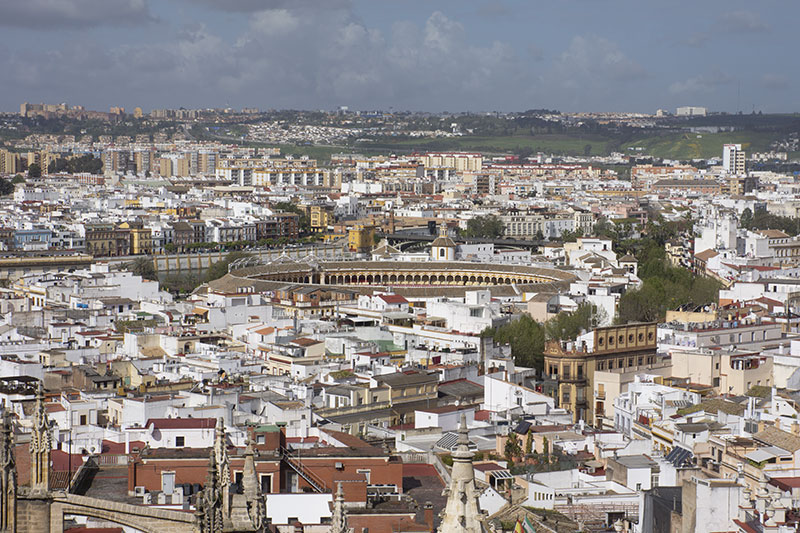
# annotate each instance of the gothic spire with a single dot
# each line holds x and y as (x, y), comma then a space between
(339, 518)
(41, 444)
(222, 465)
(462, 513)
(256, 505)
(208, 507)
(8, 476)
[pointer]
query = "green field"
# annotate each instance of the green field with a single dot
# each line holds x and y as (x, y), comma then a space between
(699, 145)
(553, 143)
(682, 146)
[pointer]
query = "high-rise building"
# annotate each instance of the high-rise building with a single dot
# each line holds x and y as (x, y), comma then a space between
(143, 161)
(9, 162)
(137, 112)
(733, 159)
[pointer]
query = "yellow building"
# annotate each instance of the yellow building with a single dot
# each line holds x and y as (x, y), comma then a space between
(321, 216)
(570, 366)
(361, 238)
(141, 238)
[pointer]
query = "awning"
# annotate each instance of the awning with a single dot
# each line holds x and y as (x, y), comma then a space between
(199, 311)
(766, 453)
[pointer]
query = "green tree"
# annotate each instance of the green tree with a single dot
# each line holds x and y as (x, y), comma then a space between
(181, 283)
(6, 187)
(525, 336)
(664, 287)
(512, 448)
(34, 170)
(567, 326)
(143, 266)
(485, 226)
(17, 179)
(571, 236)
(529, 442)
(747, 218)
(220, 268)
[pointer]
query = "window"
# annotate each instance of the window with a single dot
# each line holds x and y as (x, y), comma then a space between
(180, 441)
(580, 371)
(367, 473)
(260, 439)
(266, 483)
(640, 360)
(83, 420)
(638, 486)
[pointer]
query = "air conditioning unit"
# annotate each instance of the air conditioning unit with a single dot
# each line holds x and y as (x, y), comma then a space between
(139, 490)
(339, 466)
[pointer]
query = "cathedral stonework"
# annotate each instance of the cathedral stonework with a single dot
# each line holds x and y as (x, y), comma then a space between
(462, 513)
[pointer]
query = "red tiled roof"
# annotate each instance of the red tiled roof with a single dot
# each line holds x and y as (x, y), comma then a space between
(419, 470)
(785, 483)
(488, 467)
(118, 448)
(392, 298)
(482, 415)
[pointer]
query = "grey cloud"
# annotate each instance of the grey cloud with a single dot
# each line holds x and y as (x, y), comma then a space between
(775, 82)
(494, 9)
(60, 14)
(535, 52)
(250, 6)
(595, 60)
(704, 83)
(696, 40)
(743, 22)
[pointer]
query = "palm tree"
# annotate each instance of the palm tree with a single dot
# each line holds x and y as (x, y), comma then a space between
(143, 266)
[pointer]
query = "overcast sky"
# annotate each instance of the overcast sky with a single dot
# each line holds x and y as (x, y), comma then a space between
(431, 55)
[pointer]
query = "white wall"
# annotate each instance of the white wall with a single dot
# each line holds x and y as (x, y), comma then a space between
(499, 395)
(307, 508)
